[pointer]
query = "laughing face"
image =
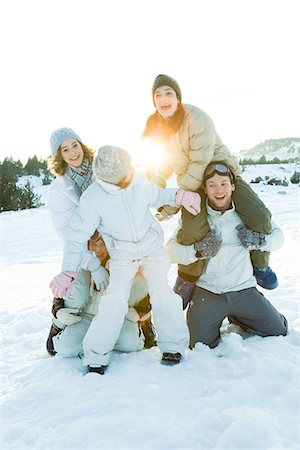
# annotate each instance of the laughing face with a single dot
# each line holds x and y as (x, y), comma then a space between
(71, 152)
(166, 101)
(219, 192)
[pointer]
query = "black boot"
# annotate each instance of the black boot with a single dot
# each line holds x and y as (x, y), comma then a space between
(148, 332)
(100, 369)
(54, 330)
(170, 359)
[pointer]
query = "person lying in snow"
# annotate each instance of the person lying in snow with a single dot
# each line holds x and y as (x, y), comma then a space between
(71, 163)
(188, 141)
(118, 205)
(227, 287)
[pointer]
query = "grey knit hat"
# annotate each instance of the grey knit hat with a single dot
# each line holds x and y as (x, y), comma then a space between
(59, 136)
(165, 80)
(111, 164)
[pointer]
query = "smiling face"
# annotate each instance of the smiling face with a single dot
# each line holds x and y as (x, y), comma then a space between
(71, 152)
(166, 101)
(219, 192)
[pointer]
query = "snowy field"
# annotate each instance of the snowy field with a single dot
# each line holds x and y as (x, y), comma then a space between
(242, 395)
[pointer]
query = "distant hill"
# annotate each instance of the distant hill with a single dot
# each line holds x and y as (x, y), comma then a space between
(284, 149)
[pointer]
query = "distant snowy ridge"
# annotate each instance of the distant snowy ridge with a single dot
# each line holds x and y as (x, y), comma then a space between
(284, 149)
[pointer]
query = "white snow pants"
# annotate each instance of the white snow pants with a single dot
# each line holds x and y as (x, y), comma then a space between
(167, 311)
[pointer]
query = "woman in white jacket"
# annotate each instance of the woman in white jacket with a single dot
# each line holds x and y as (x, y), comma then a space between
(71, 163)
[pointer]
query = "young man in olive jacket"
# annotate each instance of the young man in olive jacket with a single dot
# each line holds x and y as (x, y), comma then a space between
(227, 287)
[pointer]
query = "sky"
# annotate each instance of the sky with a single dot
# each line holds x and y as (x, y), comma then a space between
(90, 65)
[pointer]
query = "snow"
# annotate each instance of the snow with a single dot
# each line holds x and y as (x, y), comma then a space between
(242, 395)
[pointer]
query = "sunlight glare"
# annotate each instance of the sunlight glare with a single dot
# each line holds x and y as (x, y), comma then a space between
(146, 154)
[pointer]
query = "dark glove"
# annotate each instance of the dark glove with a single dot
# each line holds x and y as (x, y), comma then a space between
(185, 289)
(166, 212)
(251, 240)
(208, 247)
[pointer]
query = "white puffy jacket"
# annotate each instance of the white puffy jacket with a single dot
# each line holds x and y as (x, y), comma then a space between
(231, 269)
(63, 201)
(122, 217)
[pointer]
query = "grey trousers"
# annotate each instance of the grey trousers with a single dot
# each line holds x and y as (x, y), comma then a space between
(247, 308)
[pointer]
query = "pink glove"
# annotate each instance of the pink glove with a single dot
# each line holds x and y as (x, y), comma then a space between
(61, 285)
(191, 201)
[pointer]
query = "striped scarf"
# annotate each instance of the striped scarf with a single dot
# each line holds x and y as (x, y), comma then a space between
(81, 176)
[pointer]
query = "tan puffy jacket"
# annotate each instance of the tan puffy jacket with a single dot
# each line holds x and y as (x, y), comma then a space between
(191, 149)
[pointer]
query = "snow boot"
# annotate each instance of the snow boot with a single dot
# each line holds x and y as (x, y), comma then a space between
(100, 369)
(170, 359)
(54, 330)
(266, 278)
(148, 331)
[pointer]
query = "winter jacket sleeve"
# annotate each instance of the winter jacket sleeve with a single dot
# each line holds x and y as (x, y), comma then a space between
(178, 253)
(62, 207)
(159, 196)
(83, 224)
(202, 140)
(160, 175)
(274, 240)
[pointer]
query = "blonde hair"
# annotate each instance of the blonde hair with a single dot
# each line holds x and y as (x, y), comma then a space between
(57, 166)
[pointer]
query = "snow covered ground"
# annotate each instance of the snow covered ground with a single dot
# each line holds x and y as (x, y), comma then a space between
(242, 395)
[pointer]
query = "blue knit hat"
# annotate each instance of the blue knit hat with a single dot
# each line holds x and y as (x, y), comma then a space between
(61, 135)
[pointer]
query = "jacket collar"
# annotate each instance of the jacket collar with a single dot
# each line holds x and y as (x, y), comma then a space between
(116, 190)
(215, 213)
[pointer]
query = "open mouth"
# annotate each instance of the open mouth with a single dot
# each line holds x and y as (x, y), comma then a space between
(220, 198)
(165, 108)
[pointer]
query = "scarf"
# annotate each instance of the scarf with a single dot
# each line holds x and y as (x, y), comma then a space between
(156, 124)
(81, 176)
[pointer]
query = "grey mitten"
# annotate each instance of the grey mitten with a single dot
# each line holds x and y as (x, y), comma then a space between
(251, 240)
(208, 247)
(99, 275)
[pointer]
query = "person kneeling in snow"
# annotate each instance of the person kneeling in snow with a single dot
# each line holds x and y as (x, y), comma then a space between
(227, 287)
(71, 164)
(118, 205)
(68, 342)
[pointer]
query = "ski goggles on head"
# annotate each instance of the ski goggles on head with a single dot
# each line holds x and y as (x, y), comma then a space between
(220, 169)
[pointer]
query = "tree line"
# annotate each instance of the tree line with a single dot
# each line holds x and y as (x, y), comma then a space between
(14, 197)
(264, 160)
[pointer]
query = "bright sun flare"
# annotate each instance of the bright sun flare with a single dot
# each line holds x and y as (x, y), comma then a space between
(146, 154)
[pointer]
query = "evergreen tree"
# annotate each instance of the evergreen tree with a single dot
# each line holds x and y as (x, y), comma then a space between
(28, 199)
(33, 166)
(12, 197)
(262, 160)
